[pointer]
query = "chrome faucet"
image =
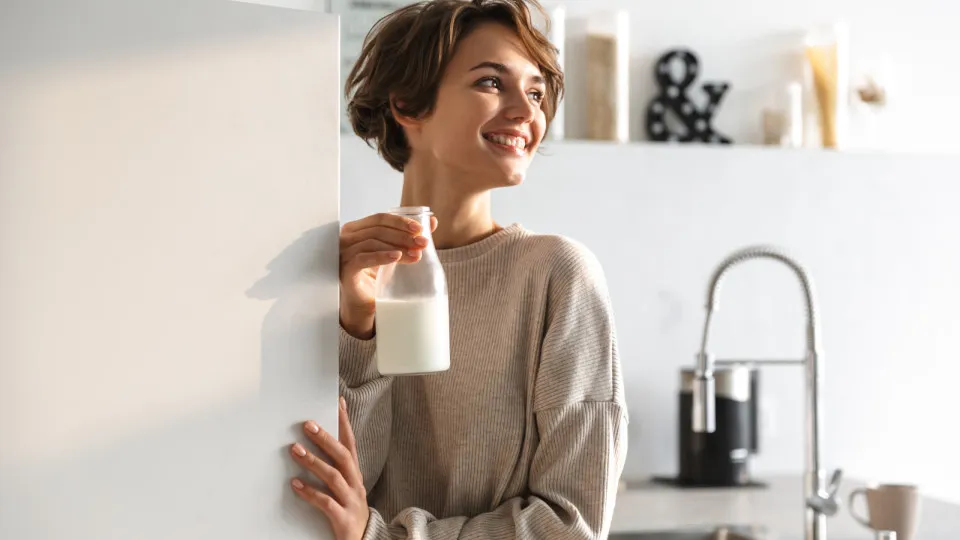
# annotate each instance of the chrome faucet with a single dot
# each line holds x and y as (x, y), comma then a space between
(820, 496)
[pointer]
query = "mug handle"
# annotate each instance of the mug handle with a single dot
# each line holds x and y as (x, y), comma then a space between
(851, 500)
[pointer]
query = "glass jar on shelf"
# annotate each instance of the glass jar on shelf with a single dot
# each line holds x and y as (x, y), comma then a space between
(608, 76)
(827, 72)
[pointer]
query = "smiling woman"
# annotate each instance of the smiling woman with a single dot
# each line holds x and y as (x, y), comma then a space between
(525, 435)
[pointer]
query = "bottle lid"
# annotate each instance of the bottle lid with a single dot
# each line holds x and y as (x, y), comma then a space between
(411, 211)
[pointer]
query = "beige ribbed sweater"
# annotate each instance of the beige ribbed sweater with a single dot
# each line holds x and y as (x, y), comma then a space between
(525, 436)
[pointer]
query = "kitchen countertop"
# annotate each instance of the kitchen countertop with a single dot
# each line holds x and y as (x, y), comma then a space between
(777, 507)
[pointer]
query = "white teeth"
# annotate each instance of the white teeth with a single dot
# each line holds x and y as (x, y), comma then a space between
(517, 142)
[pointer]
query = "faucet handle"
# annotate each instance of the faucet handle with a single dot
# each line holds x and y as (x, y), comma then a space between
(834, 485)
(825, 502)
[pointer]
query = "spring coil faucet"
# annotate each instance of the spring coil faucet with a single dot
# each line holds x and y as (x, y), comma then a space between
(820, 498)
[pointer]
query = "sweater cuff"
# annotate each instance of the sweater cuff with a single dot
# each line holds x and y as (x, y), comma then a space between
(376, 527)
(357, 359)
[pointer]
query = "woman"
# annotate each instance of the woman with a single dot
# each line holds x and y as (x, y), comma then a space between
(525, 435)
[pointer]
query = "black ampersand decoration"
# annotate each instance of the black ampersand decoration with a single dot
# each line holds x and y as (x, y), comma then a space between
(673, 97)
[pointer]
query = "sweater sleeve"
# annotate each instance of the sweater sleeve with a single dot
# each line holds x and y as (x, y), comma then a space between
(581, 425)
(367, 394)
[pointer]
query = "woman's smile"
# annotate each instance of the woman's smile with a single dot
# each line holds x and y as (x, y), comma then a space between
(510, 142)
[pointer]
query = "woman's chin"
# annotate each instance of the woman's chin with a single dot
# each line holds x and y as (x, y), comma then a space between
(514, 179)
(506, 180)
(501, 175)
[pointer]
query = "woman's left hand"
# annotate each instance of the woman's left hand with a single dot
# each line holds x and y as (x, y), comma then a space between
(346, 504)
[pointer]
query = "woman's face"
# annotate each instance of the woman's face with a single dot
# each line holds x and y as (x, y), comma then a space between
(487, 122)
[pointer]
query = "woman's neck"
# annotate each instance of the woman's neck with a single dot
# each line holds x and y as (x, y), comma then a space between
(463, 217)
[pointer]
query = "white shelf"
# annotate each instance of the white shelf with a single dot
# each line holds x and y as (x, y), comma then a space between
(549, 145)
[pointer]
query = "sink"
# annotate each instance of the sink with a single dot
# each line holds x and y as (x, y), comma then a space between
(719, 532)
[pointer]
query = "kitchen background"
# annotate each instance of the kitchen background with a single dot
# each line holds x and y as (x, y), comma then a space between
(875, 223)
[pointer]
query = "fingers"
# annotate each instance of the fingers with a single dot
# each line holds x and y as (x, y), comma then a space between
(399, 223)
(322, 470)
(339, 454)
(319, 500)
(396, 238)
(433, 223)
(375, 254)
(372, 246)
(378, 240)
(346, 433)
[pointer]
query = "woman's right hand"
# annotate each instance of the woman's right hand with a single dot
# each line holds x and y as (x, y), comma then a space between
(365, 245)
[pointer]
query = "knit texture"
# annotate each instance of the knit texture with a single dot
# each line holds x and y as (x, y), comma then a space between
(525, 435)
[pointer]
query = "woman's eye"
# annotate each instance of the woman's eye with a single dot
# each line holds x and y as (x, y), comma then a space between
(489, 82)
(536, 96)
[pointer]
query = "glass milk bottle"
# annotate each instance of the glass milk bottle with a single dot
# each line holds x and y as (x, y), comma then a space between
(413, 317)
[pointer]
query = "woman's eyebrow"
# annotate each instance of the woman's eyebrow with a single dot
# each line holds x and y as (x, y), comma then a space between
(502, 68)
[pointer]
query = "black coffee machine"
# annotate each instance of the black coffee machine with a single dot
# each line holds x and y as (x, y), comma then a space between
(721, 458)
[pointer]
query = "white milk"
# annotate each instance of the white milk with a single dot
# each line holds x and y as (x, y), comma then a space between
(413, 335)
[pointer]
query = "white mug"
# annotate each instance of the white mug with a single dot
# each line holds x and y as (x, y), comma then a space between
(890, 507)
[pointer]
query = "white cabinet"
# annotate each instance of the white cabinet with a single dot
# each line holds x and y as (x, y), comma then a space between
(168, 244)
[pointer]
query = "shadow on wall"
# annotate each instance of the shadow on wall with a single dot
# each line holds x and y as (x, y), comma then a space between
(293, 358)
(300, 320)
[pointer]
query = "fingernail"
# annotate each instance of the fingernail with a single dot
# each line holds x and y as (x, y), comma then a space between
(414, 226)
(312, 427)
(297, 484)
(343, 403)
(420, 241)
(299, 450)
(413, 253)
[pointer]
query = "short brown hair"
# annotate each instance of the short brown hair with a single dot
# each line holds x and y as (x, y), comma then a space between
(405, 55)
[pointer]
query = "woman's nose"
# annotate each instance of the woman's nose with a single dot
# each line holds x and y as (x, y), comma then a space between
(520, 107)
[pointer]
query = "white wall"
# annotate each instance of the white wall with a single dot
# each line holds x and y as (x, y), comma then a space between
(878, 233)
(168, 236)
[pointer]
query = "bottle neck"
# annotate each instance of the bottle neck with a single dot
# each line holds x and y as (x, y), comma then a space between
(423, 216)
(420, 214)
(430, 251)
(424, 220)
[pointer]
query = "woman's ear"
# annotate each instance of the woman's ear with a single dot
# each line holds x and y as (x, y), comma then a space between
(408, 122)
